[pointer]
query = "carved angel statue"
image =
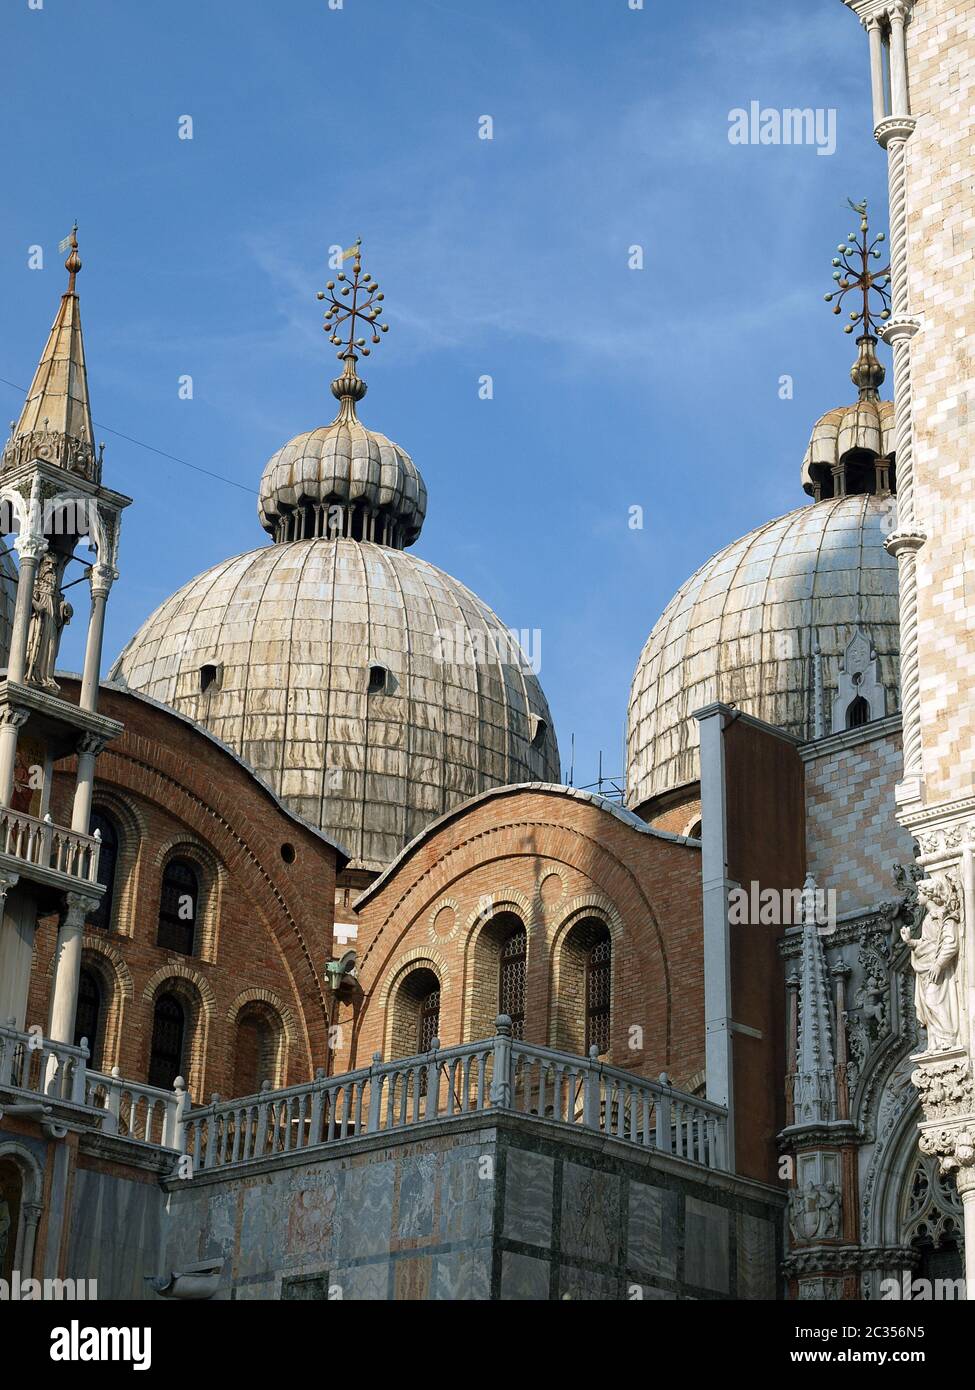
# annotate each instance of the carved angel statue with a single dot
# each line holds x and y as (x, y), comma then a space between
(50, 613)
(934, 956)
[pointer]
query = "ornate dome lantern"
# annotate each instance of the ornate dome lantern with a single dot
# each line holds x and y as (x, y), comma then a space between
(372, 691)
(768, 623)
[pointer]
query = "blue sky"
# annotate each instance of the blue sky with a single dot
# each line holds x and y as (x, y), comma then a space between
(613, 387)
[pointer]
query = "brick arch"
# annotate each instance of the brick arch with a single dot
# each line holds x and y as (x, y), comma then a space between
(481, 960)
(417, 959)
(564, 1007)
(134, 831)
(212, 880)
(109, 963)
(147, 769)
(265, 996)
(615, 863)
(177, 978)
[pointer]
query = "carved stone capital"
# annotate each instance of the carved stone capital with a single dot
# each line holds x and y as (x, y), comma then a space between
(13, 716)
(7, 881)
(101, 578)
(30, 546)
(909, 540)
(900, 326)
(894, 128)
(77, 908)
(92, 743)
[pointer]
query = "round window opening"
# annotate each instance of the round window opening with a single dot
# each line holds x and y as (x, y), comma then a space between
(288, 852)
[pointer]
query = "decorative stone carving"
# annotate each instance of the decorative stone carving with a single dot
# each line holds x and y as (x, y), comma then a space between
(50, 614)
(815, 1212)
(859, 678)
(934, 956)
(945, 1091)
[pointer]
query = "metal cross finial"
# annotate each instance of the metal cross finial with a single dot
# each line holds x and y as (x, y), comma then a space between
(852, 274)
(358, 302)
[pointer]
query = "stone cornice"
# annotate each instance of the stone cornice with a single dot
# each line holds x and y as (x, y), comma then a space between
(850, 738)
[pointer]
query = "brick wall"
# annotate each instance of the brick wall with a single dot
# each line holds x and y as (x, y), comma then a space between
(264, 927)
(941, 247)
(551, 859)
(853, 838)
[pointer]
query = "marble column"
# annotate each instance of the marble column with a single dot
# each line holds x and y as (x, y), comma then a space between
(67, 967)
(101, 579)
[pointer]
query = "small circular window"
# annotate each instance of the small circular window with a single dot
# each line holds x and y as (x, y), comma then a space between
(288, 852)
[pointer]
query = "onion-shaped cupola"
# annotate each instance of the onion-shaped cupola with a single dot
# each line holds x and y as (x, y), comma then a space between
(342, 479)
(851, 450)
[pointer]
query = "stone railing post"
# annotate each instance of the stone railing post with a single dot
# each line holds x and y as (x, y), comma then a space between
(432, 1107)
(665, 1141)
(501, 1070)
(79, 1078)
(113, 1101)
(174, 1131)
(592, 1091)
(315, 1121)
(375, 1094)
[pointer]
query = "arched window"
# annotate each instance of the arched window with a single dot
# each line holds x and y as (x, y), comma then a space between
(858, 713)
(415, 1013)
(11, 1197)
(585, 973)
(88, 1016)
(257, 1049)
(177, 907)
(512, 978)
(168, 1031)
(599, 973)
(102, 917)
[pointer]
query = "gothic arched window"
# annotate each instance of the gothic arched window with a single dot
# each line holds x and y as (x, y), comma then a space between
(101, 918)
(168, 1032)
(512, 975)
(177, 907)
(88, 1015)
(858, 713)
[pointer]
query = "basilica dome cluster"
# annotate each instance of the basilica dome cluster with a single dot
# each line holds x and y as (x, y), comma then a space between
(372, 691)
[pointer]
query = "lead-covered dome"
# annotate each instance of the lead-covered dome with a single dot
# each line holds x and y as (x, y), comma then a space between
(746, 627)
(372, 691)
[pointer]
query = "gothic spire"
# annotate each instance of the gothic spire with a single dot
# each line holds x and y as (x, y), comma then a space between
(815, 1086)
(55, 423)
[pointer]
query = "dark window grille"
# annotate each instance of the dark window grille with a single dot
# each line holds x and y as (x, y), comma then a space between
(512, 976)
(429, 1023)
(177, 908)
(87, 1016)
(599, 969)
(168, 1028)
(101, 917)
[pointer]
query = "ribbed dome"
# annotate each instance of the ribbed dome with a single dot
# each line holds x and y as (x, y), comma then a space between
(867, 427)
(743, 630)
(292, 637)
(343, 479)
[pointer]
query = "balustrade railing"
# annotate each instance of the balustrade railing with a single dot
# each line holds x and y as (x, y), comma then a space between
(30, 1062)
(57, 1072)
(494, 1074)
(136, 1111)
(49, 846)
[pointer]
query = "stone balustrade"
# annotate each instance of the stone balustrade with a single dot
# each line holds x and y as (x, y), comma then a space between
(32, 1063)
(137, 1111)
(54, 1072)
(493, 1074)
(49, 846)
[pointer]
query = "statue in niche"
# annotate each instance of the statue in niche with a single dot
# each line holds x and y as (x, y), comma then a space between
(50, 612)
(934, 956)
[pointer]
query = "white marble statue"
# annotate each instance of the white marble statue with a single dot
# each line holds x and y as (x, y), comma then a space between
(934, 956)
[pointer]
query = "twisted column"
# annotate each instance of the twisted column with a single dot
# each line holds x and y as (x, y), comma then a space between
(904, 543)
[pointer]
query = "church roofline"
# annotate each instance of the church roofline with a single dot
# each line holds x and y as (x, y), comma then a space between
(601, 803)
(344, 857)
